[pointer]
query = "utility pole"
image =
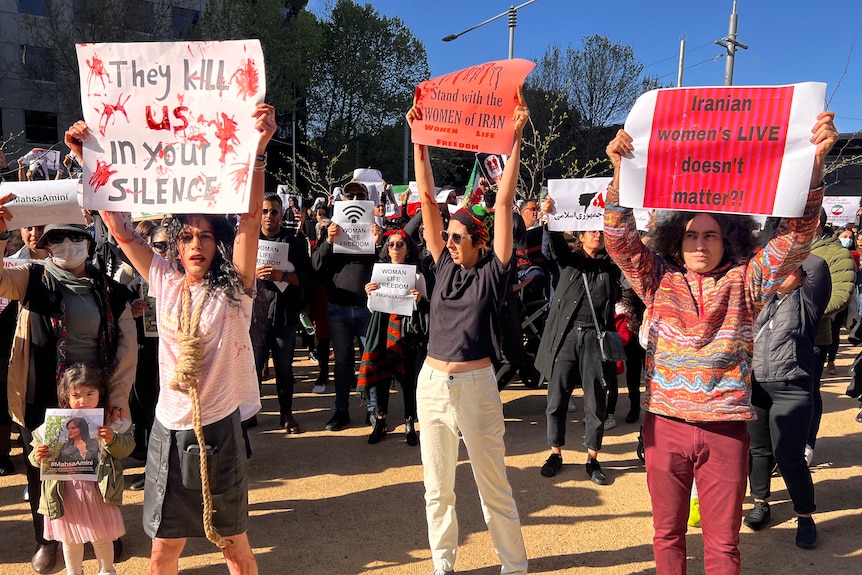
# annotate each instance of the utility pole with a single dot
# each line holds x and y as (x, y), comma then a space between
(730, 44)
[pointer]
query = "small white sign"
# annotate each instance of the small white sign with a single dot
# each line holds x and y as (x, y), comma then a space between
(579, 204)
(43, 202)
(355, 218)
(393, 296)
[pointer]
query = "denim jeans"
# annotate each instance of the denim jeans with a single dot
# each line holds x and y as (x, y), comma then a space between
(282, 341)
(345, 324)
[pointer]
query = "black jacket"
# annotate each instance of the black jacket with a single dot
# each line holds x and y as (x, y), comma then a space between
(784, 330)
(570, 298)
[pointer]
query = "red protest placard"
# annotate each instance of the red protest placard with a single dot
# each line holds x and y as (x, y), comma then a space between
(471, 109)
(722, 149)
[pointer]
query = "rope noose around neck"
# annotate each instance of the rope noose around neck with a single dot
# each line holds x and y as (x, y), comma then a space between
(186, 377)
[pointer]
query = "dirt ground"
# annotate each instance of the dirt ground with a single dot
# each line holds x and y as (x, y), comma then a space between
(324, 503)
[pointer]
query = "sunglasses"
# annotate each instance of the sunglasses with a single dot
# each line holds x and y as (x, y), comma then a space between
(456, 238)
(397, 245)
(266, 211)
(56, 239)
(529, 209)
(356, 196)
(160, 247)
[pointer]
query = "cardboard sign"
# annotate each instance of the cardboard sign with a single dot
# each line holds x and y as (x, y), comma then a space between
(72, 438)
(841, 210)
(355, 219)
(393, 296)
(471, 109)
(722, 149)
(40, 203)
(171, 125)
(579, 204)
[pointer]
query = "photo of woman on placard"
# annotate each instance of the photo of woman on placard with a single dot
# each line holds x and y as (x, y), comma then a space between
(80, 446)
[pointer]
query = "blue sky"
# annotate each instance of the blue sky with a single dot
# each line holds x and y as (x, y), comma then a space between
(789, 40)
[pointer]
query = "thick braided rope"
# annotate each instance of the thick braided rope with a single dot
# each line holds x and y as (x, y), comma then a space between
(186, 377)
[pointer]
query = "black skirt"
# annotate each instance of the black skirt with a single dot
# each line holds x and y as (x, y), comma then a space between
(173, 500)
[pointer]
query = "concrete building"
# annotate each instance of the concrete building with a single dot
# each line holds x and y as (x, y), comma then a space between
(39, 86)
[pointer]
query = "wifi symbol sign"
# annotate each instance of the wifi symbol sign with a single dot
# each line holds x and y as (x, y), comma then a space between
(354, 213)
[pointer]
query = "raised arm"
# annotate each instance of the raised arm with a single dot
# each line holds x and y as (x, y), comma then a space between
(119, 223)
(431, 218)
(248, 232)
(507, 187)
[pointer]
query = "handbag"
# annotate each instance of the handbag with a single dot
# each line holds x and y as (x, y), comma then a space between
(610, 342)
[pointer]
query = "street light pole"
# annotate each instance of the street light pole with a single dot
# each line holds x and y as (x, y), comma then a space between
(730, 44)
(512, 13)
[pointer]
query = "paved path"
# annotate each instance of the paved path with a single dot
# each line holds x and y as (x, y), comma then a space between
(327, 503)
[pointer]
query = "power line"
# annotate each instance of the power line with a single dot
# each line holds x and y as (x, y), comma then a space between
(713, 59)
(677, 56)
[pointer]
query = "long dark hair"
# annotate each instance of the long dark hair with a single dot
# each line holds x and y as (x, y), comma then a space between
(737, 234)
(221, 275)
(82, 426)
(412, 248)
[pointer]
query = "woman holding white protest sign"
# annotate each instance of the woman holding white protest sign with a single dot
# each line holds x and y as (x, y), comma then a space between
(208, 277)
(457, 390)
(395, 344)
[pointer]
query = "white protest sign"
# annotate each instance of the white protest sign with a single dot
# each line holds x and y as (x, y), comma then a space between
(393, 296)
(841, 210)
(43, 202)
(735, 149)
(275, 254)
(355, 218)
(171, 126)
(579, 204)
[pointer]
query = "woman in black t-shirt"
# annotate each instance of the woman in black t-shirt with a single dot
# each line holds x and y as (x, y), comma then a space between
(457, 390)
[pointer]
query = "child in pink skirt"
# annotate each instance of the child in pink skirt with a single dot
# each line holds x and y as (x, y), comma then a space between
(78, 512)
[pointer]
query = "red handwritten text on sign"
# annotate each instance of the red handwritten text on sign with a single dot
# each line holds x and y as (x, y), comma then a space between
(717, 149)
(471, 109)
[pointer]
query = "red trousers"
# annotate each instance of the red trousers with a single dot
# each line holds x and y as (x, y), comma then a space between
(715, 455)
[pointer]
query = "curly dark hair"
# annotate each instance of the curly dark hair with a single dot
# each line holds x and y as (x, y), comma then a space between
(221, 275)
(737, 234)
(85, 374)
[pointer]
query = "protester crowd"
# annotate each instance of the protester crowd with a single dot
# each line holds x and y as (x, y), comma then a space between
(726, 327)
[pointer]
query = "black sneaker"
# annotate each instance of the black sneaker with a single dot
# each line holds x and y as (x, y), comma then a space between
(758, 517)
(138, 482)
(806, 533)
(633, 415)
(594, 470)
(552, 465)
(6, 465)
(339, 420)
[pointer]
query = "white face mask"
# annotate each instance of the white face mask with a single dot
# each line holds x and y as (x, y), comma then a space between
(69, 255)
(846, 242)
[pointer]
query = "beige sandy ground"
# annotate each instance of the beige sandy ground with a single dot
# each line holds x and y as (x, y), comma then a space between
(327, 503)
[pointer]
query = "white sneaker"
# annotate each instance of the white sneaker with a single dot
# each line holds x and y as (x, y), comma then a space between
(572, 407)
(318, 388)
(809, 454)
(610, 422)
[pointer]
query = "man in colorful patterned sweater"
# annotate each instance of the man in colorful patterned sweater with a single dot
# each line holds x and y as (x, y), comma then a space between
(703, 285)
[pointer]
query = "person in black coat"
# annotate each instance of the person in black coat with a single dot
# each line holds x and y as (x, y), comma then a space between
(569, 354)
(783, 365)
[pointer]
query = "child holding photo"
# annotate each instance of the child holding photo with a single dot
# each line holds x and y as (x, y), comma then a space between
(78, 512)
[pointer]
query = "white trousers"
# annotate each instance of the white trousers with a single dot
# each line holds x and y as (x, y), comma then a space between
(469, 402)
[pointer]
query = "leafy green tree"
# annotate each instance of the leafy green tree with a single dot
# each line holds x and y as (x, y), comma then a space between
(364, 79)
